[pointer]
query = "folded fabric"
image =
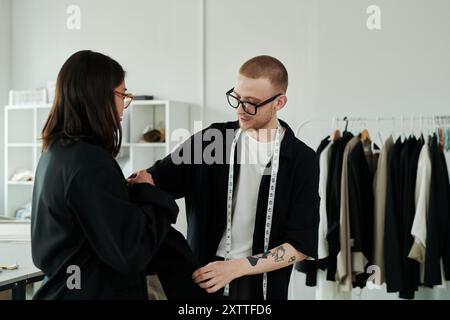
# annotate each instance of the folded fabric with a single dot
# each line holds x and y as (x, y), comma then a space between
(23, 175)
(24, 212)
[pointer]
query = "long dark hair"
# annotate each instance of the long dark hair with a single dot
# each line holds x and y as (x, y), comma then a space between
(84, 107)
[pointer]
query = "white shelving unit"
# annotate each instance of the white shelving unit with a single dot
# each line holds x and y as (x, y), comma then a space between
(23, 126)
(135, 154)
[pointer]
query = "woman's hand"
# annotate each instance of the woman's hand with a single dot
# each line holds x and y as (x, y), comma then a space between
(141, 177)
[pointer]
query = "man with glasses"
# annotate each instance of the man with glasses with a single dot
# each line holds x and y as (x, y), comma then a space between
(253, 211)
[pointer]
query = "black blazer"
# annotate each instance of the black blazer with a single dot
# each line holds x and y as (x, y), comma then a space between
(393, 223)
(361, 203)
(204, 187)
(333, 204)
(410, 268)
(438, 222)
(85, 215)
(402, 273)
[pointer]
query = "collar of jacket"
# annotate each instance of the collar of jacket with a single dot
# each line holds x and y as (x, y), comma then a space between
(286, 149)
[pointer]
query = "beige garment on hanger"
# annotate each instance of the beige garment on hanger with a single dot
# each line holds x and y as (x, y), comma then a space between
(379, 188)
(344, 258)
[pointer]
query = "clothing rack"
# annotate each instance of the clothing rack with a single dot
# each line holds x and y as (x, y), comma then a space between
(435, 121)
(361, 179)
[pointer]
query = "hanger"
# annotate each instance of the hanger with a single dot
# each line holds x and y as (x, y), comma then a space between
(379, 135)
(365, 137)
(421, 129)
(447, 139)
(441, 139)
(336, 134)
(346, 124)
(430, 130)
(402, 134)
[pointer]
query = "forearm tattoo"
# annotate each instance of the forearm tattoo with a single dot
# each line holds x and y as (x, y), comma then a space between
(277, 254)
(254, 259)
(291, 259)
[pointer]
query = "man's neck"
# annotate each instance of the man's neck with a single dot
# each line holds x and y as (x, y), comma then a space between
(266, 133)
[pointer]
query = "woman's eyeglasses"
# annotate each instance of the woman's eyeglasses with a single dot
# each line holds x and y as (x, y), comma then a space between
(127, 98)
(248, 107)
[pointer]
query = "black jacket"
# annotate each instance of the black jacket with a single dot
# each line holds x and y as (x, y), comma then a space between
(361, 203)
(402, 273)
(446, 186)
(333, 204)
(84, 215)
(310, 267)
(410, 268)
(204, 187)
(438, 222)
(393, 221)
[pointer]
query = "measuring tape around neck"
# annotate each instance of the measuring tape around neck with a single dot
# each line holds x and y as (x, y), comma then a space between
(270, 202)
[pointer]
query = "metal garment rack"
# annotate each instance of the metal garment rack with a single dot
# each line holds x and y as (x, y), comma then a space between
(433, 121)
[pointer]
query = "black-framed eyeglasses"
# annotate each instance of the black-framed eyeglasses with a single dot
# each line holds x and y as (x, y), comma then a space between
(249, 107)
(127, 98)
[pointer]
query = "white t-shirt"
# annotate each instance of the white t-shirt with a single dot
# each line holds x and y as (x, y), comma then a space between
(254, 156)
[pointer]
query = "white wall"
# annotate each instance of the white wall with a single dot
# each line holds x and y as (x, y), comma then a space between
(157, 41)
(336, 65)
(5, 77)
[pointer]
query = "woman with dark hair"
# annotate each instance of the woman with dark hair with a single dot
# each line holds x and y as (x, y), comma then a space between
(93, 234)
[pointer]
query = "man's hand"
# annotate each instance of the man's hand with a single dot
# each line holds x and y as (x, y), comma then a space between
(141, 177)
(217, 274)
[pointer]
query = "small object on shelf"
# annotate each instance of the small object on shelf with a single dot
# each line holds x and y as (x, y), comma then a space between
(143, 97)
(22, 175)
(9, 266)
(24, 212)
(153, 135)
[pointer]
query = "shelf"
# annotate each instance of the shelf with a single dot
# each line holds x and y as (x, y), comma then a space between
(29, 106)
(20, 183)
(20, 145)
(149, 144)
(149, 102)
(23, 127)
(137, 144)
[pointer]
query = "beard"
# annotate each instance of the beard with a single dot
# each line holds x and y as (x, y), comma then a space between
(247, 122)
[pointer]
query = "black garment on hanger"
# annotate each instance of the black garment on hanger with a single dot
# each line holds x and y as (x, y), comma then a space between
(323, 144)
(409, 159)
(334, 202)
(438, 222)
(446, 258)
(361, 204)
(309, 267)
(393, 222)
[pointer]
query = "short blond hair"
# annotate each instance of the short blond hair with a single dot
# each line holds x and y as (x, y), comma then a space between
(266, 67)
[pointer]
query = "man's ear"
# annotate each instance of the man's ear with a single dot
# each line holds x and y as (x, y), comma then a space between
(281, 102)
